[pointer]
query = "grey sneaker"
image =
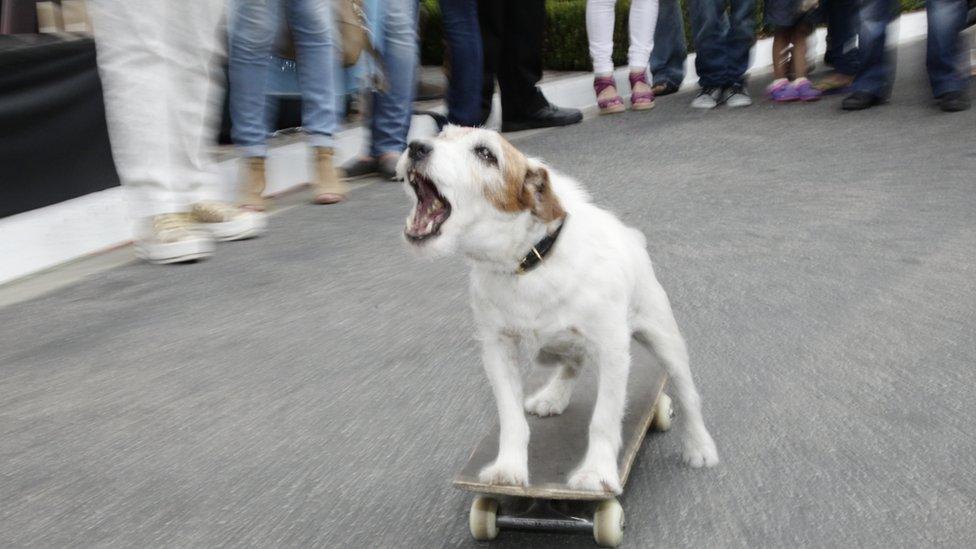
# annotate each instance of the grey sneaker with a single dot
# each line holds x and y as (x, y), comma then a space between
(736, 96)
(227, 222)
(707, 98)
(172, 238)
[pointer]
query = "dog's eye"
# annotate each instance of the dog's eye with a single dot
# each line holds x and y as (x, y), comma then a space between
(485, 154)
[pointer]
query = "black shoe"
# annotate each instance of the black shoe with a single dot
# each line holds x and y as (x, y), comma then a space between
(360, 167)
(954, 101)
(549, 116)
(661, 89)
(860, 100)
(384, 166)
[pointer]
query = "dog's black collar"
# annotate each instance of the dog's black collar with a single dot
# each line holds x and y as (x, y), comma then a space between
(540, 250)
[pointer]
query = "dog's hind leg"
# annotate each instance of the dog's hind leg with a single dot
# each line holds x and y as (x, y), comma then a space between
(553, 397)
(656, 328)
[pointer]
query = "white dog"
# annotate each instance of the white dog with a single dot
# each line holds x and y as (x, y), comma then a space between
(554, 275)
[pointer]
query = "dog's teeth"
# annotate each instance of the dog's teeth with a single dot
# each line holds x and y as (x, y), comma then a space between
(430, 226)
(438, 204)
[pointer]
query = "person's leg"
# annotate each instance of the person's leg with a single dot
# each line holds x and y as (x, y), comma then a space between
(642, 22)
(466, 66)
(669, 52)
(798, 37)
(252, 27)
(133, 69)
(392, 108)
(841, 51)
(741, 36)
(196, 48)
(599, 32)
(643, 19)
(780, 89)
(520, 69)
(781, 58)
(802, 86)
(945, 58)
(161, 93)
(363, 73)
(709, 26)
(311, 28)
(520, 66)
(491, 20)
(877, 70)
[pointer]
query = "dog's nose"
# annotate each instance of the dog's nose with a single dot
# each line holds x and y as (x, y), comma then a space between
(419, 150)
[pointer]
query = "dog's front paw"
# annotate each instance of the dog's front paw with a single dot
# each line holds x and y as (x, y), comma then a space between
(547, 402)
(596, 478)
(700, 452)
(505, 472)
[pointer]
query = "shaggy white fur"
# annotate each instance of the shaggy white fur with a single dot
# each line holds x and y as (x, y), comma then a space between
(581, 305)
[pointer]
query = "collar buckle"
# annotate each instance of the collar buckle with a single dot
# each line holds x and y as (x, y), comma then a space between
(539, 251)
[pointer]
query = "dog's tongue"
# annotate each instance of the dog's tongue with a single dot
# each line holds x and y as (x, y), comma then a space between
(422, 222)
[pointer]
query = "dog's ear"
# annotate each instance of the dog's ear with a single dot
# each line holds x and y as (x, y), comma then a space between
(537, 194)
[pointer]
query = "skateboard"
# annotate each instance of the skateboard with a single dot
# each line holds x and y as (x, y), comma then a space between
(556, 445)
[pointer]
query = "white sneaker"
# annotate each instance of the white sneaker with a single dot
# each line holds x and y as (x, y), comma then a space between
(736, 96)
(171, 238)
(226, 222)
(707, 98)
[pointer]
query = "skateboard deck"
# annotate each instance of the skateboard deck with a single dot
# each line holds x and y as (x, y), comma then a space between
(557, 443)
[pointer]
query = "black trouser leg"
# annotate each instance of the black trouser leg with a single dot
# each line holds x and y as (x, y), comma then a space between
(491, 18)
(512, 36)
(521, 66)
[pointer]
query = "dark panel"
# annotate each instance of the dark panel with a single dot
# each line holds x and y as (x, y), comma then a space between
(53, 139)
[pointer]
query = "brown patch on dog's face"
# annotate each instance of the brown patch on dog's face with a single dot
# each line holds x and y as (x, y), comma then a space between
(524, 187)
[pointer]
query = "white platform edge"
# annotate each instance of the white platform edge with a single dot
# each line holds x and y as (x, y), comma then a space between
(40, 239)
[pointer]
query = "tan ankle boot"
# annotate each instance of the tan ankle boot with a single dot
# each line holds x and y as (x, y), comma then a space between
(252, 190)
(326, 187)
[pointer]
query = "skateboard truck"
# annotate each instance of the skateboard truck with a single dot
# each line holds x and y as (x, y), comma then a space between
(542, 515)
(607, 524)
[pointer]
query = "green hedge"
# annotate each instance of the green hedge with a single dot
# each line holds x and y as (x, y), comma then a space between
(566, 47)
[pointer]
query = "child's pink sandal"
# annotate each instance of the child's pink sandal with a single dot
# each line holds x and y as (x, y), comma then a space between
(640, 101)
(609, 105)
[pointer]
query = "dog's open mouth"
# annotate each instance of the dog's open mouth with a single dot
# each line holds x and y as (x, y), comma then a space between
(432, 209)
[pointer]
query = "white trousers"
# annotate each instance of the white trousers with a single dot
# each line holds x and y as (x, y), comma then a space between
(599, 29)
(159, 62)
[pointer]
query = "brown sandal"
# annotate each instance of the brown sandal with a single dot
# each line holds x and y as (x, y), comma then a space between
(329, 198)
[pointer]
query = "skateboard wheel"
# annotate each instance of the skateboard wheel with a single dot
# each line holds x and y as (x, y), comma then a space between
(663, 412)
(608, 523)
(481, 520)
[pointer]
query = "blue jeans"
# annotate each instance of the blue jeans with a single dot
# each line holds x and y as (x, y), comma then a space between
(944, 58)
(467, 64)
(842, 53)
(946, 54)
(398, 47)
(670, 52)
(723, 39)
(252, 29)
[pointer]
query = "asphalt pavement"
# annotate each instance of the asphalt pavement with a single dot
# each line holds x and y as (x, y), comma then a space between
(320, 386)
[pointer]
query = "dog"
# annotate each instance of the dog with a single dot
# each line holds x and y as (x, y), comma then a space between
(554, 277)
